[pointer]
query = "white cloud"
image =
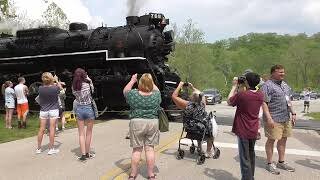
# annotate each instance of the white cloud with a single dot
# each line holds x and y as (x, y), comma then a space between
(75, 10)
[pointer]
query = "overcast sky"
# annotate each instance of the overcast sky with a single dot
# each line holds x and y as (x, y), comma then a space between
(219, 19)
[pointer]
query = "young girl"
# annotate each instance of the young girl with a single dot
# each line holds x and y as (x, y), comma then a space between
(9, 95)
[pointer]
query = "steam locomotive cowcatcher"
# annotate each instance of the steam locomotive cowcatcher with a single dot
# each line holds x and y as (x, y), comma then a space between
(110, 55)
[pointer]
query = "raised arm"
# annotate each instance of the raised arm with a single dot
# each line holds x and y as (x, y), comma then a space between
(233, 91)
(130, 84)
(180, 103)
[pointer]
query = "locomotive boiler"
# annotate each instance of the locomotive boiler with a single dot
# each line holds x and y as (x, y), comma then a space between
(110, 55)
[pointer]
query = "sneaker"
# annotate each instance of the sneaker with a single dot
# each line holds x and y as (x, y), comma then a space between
(90, 156)
(272, 168)
(82, 158)
(38, 151)
(53, 151)
(285, 166)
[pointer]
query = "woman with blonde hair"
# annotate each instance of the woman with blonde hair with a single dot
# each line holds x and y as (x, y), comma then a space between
(9, 96)
(49, 109)
(144, 132)
(194, 109)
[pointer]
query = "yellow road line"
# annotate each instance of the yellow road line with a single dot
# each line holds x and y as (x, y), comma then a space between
(120, 173)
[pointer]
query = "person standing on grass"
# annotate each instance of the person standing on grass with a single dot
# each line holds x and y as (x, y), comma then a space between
(49, 109)
(82, 87)
(62, 106)
(277, 108)
(21, 92)
(9, 96)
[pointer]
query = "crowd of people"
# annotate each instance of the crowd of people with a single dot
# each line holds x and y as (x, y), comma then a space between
(249, 96)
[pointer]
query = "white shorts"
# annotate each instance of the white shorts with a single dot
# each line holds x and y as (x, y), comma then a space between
(10, 105)
(51, 114)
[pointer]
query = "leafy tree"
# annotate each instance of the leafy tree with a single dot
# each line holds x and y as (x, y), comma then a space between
(54, 16)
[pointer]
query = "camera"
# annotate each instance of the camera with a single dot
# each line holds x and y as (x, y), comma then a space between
(241, 79)
(186, 84)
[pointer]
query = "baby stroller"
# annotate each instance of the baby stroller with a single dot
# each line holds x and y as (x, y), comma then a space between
(199, 129)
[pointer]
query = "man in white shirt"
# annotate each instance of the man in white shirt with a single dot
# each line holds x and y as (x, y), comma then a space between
(306, 97)
(21, 92)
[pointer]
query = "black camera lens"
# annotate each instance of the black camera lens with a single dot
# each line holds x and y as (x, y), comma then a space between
(241, 79)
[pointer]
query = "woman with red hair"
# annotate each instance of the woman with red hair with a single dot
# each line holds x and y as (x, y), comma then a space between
(82, 87)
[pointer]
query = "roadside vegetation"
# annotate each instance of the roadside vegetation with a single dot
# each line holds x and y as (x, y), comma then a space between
(213, 65)
(314, 115)
(7, 135)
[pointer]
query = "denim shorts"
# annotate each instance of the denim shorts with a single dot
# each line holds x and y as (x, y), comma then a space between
(85, 112)
(51, 114)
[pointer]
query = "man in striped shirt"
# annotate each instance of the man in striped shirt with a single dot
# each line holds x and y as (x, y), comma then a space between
(277, 119)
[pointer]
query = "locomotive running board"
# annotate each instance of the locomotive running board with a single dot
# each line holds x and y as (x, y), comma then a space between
(58, 55)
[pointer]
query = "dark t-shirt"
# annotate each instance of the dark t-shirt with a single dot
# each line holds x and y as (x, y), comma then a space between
(246, 120)
(48, 96)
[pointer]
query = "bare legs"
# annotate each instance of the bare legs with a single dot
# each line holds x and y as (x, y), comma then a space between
(281, 147)
(269, 149)
(85, 137)
(136, 156)
(51, 134)
(8, 117)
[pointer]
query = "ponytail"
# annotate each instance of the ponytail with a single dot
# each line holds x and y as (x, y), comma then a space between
(4, 86)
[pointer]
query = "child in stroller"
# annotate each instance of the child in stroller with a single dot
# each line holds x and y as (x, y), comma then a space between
(196, 122)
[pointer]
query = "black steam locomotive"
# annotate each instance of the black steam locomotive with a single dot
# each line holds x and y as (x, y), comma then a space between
(110, 55)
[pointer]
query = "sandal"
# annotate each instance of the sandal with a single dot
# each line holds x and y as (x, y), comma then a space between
(132, 177)
(152, 177)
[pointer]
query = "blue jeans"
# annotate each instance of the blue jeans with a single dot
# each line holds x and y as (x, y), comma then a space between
(85, 112)
(247, 158)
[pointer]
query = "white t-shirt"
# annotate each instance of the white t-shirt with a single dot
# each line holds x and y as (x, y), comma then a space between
(21, 97)
(306, 95)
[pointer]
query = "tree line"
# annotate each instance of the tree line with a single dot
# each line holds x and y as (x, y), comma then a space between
(213, 65)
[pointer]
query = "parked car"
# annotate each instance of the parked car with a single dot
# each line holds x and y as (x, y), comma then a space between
(212, 96)
(296, 96)
(313, 95)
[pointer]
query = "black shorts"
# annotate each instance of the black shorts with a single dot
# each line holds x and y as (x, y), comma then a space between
(61, 110)
(306, 103)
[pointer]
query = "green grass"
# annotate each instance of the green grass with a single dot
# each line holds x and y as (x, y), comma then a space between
(314, 115)
(7, 135)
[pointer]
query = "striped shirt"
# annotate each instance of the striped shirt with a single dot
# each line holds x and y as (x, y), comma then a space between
(276, 95)
(83, 97)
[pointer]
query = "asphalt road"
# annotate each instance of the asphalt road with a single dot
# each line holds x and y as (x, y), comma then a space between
(225, 114)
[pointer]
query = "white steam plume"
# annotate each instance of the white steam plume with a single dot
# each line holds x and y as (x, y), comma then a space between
(134, 6)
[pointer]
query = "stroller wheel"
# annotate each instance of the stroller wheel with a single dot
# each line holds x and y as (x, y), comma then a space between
(180, 154)
(201, 159)
(192, 149)
(216, 153)
(198, 150)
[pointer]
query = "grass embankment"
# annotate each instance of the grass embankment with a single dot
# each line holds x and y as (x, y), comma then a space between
(7, 135)
(314, 115)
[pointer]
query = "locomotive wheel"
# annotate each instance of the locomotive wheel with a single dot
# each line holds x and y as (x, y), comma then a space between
(180, 154)
(201, 159)
(192, 149)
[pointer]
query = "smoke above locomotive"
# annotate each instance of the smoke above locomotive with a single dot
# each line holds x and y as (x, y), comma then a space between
(110, 55)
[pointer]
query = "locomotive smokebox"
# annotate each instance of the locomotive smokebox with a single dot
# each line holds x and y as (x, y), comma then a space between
(132, 20)
(76, 26)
